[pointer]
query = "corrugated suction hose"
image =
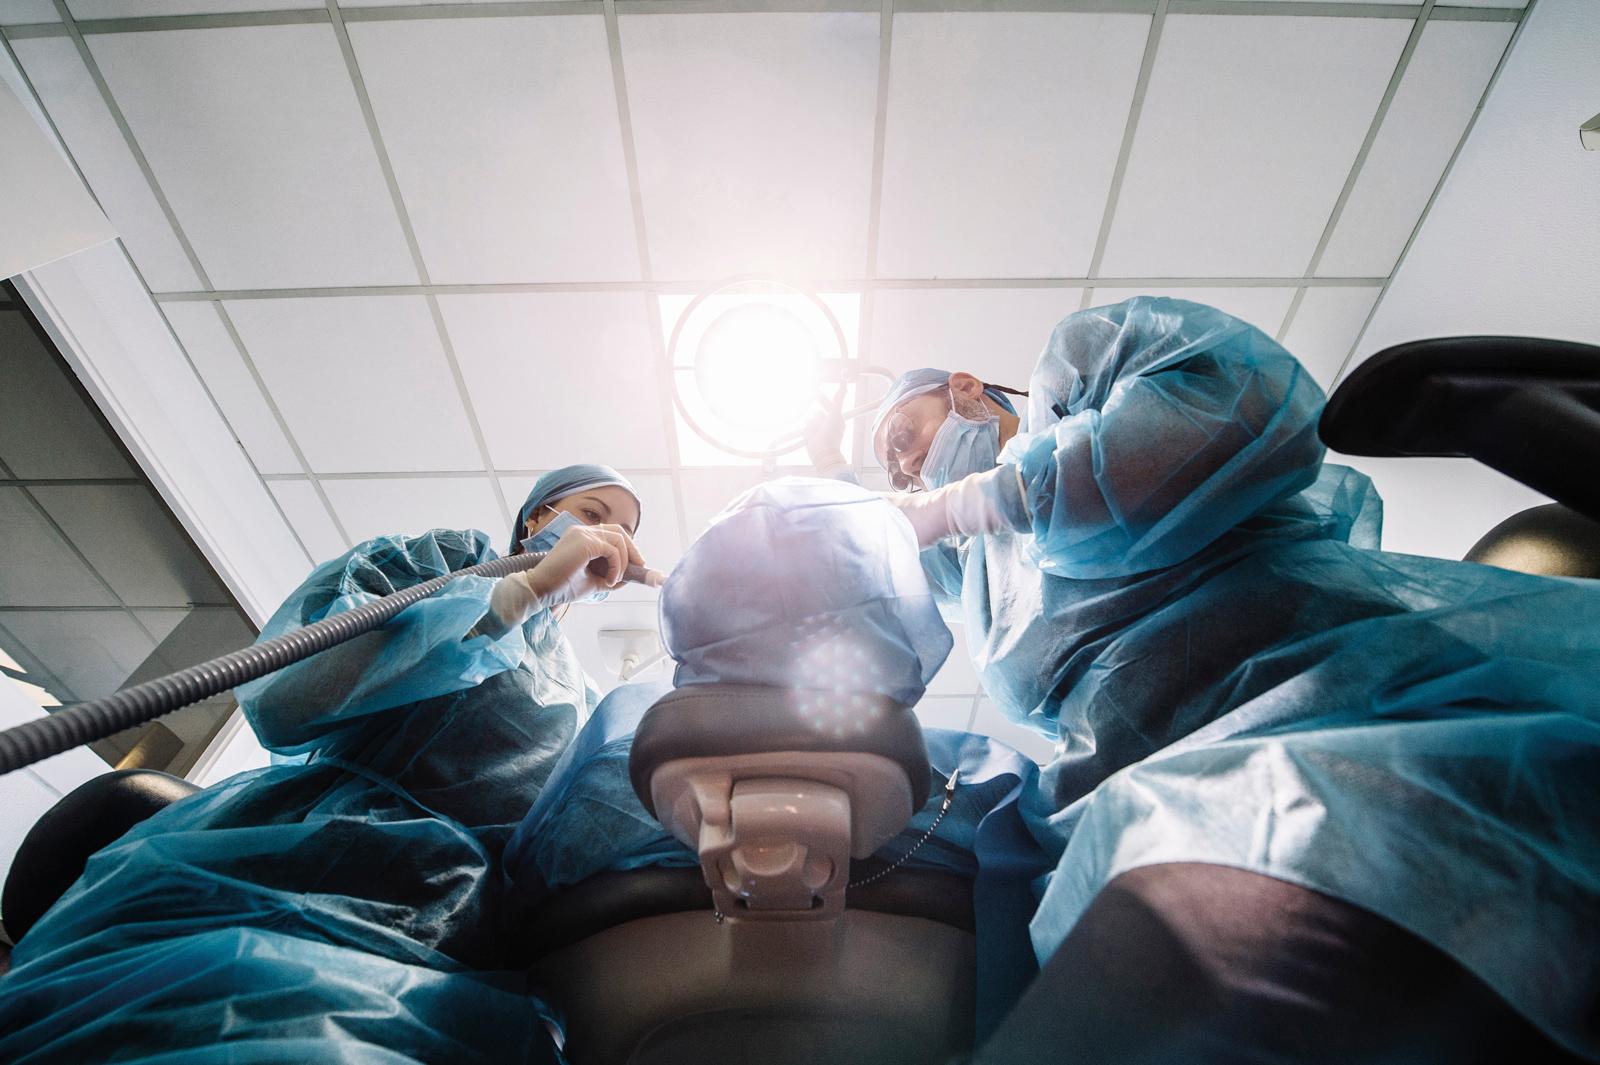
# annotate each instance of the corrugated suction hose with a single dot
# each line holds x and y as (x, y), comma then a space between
(96, 719)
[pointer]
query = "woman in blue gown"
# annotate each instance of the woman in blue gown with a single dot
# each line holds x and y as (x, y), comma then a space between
(1157, 570)
(344, 905)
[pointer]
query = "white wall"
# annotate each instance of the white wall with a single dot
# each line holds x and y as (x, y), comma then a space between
(1511, 245)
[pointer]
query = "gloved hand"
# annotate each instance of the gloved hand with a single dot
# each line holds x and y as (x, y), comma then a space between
(824, 436)
(985, 502)
(565, 576)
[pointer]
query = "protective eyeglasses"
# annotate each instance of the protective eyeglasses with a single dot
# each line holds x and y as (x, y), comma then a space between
(899, 436)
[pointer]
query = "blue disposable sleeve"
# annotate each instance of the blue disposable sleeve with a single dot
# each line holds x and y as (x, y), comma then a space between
(418, 654)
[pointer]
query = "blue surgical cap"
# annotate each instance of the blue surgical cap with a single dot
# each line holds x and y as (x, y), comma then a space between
(563, 482)
(914, 383)
(809, 584)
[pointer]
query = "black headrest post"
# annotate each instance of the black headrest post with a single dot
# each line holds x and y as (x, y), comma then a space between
(1527, 407)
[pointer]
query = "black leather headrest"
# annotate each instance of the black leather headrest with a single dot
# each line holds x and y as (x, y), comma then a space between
(91, 816)
(712, 720)
(1552, 540)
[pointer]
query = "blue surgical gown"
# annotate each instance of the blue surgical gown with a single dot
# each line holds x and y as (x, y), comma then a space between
(346, 908)
(1234, 675)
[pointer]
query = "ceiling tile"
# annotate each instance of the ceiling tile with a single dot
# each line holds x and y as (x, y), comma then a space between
(989, 722)
(417, 3)
(945, 711)
(200, 329)
(1436, 99)
(657, 539)
(361, 381)
(40, 569)
(1440, 507)
(561, 378)
(1002, 135)
(310, 519)
(1263, 308)
(995, 334)
(97, 145)
(193, 636)
(410, 506)
(754, 136)
(1249, 129)
(46, 428)
(132, 541)
(708, 490)
(1327, 323)
(530, 102)
(22, 12)
(92, 9)
(259, 145)
(94, 652)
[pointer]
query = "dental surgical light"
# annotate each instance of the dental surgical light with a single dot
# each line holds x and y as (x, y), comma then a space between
(750, 357)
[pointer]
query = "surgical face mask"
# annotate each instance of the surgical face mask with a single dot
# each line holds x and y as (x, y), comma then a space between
(962, 446)
(545, 539)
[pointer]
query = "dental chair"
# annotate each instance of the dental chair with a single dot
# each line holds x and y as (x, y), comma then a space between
(771, 951)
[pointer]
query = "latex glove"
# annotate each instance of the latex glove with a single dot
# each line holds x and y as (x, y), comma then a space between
(824, 436)
(587, 559)
(987, 502)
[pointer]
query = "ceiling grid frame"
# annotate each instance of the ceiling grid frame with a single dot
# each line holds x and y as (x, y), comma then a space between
(1152, 44)
(69, 28)
(1400, 67)
(641, 236)
(1444, 175)
(403, 216)
(880, 134)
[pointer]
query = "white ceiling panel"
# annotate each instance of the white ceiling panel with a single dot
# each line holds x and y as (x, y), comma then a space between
(310, 519)
(92, 9)
(754, 135)
(996, 334)
(45, 430)
(707, 491)
(945, 711)
(39, 568)
(409, 506)
(361, 381)
(1263, 308)
(91, 135)
(92, 651)
(200, 329)
(561, 378)
(1440, 507)
(259, 144)
(1327, 323)
(20, 12)
(132, 541)
(1249, 129)
(989, 722)
(1002, 135)
(508, 154)
(1442, 86)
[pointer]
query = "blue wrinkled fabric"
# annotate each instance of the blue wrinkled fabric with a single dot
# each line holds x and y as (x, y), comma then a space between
(805, 583)
(588, 820)
(1237, 676)
(347, 908)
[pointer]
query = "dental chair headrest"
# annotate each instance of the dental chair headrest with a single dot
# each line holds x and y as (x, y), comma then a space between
(1552, 540)
(715, 720)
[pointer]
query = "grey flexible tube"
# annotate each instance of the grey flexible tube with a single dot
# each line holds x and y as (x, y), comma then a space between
(36, 740)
